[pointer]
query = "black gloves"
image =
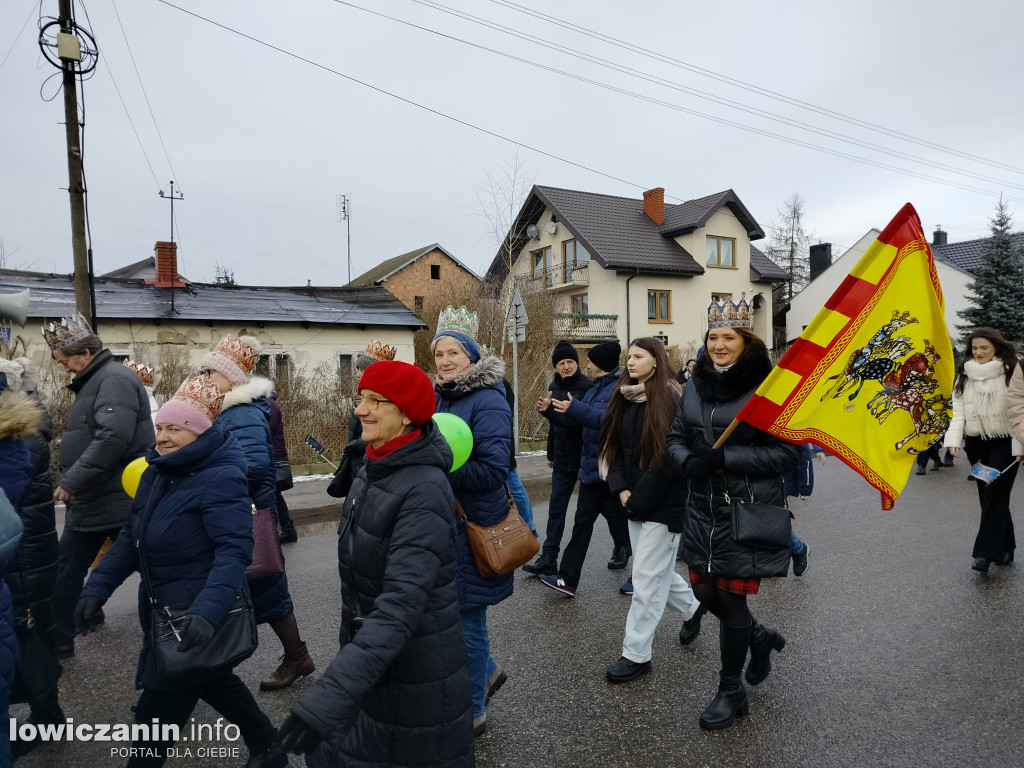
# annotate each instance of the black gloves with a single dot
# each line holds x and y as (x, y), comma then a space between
(712, 458)
(88, 615)
(195, 631)
(296, 736)
(695, 469)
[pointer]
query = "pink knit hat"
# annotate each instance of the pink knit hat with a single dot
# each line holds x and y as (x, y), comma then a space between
(194, 406)
(234, 358)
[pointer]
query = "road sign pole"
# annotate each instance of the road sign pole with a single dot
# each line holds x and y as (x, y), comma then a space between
(515, 387)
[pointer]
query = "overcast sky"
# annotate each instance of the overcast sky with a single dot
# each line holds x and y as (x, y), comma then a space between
(261, 143)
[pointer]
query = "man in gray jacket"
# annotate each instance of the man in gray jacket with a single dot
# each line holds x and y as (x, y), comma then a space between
(108, 426)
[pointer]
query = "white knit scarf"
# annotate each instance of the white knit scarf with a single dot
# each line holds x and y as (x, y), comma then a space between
(988, 383)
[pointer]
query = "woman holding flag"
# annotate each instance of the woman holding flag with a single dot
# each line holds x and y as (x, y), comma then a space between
(749, 466)
(981, 422)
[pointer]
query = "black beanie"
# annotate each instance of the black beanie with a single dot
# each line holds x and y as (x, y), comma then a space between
(606, 356)
(564, 351)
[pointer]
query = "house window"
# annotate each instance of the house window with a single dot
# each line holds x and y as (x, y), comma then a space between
(543, 264)
(580, 309)
(435, 271)
(417, 303)
(262, 367)
(283, 367)
(718, 298)
(659, 308)
(720, 251)
(345, 365)
(573, 255)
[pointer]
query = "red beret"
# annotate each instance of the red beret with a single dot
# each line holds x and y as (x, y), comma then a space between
(405, 385)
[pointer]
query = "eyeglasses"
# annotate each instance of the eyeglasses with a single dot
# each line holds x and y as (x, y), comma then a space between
(205, 373)
(372, 403)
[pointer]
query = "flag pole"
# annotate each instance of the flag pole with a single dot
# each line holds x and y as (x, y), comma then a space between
(725, 435)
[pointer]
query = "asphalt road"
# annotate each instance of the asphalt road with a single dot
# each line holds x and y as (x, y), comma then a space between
(898, 654)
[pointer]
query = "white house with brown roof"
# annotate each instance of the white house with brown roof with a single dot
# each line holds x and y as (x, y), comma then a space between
(619, 267)
(955, 264)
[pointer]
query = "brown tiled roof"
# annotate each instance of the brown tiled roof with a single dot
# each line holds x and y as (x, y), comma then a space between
(132, 269)
(765, 268)
(620, 237)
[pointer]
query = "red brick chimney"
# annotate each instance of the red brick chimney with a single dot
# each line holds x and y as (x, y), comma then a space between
(166, 266)
(654, 204)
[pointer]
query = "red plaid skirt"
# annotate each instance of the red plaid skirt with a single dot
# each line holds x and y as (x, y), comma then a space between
(735, 586)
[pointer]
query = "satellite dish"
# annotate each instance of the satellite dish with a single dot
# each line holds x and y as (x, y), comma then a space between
(532, 231)
(551, 228)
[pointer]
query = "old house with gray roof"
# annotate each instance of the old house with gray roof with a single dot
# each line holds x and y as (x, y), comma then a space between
(152, 320)
(619, 267)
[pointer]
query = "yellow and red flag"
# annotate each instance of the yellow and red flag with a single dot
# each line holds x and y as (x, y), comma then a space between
(870, 379)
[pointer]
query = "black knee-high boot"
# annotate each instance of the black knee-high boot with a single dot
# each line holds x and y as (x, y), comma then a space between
(763, 640)
(731, 700)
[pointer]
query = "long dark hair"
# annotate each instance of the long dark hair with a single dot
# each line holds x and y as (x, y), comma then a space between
(1004, 351)
(662, 392)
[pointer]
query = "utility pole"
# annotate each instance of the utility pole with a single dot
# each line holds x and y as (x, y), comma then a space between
(345, 214)
(174, 277)
(69, 51)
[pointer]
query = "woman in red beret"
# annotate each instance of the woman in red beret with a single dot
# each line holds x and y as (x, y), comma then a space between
(398, 692)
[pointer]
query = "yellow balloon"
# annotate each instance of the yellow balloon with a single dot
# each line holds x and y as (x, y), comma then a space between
(132, 474)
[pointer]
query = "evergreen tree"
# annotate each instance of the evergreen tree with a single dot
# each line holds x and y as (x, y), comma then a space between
(789, 247)
(996, 294)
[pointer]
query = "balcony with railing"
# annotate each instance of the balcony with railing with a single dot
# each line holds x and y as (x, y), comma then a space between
(557, 278)
(583, 327)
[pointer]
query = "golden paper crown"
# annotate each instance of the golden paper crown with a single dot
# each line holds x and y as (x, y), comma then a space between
(203, 395)
(729, 314)
(380, 351)
(240, 353)
(460, 320)
(67, 331)
(144, 372)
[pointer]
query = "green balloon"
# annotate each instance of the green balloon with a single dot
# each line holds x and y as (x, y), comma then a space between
(459, 437)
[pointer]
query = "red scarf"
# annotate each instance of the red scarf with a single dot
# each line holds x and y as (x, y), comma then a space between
(391, 445)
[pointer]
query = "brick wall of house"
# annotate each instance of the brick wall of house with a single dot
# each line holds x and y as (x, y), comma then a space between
(415, 279)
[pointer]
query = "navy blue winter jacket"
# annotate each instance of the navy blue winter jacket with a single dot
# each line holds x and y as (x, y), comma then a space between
(589, 411)
(193, 522)
(477, 396)
(245, 415)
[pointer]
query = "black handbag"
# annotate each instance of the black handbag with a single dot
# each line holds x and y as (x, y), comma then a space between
(234, 638)
(761, 526)
(283, 469)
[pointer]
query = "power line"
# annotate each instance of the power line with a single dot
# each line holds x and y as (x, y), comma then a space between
(131, 123)
(143, 87)
(749, 86)
(672, 85)
(17, 37)
(706, 116)
(402, 98)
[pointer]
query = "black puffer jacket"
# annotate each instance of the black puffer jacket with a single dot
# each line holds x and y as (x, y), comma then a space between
(565, 437)
(657, 492)
(109, 425)
(33, 574)
(754, 465)
(398, 692)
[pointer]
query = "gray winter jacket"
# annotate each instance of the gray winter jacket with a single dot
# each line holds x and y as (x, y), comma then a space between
(108, 426)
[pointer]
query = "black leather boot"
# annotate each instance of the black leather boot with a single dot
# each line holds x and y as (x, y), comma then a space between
(691, 627)
(731, 700)
(763, 640)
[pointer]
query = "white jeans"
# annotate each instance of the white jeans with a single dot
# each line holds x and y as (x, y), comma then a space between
(655, 585)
